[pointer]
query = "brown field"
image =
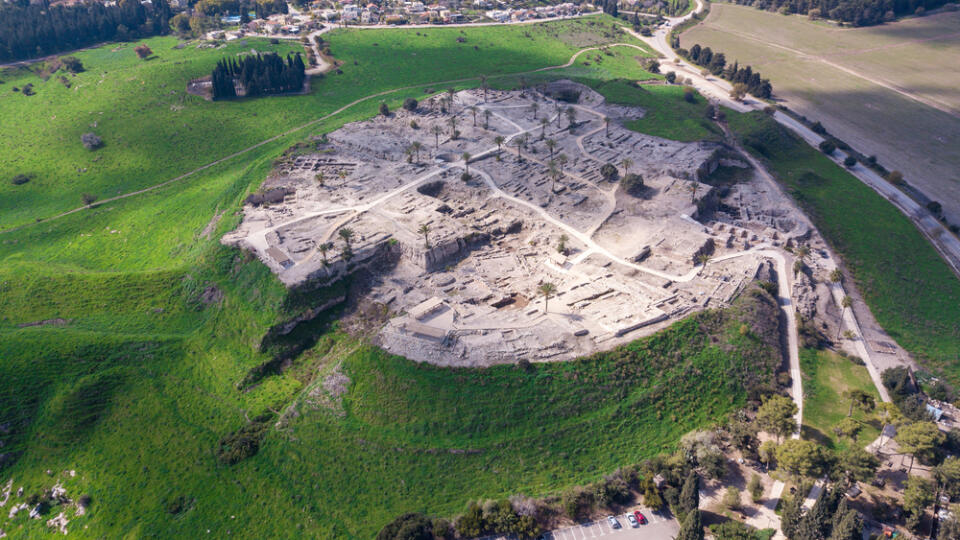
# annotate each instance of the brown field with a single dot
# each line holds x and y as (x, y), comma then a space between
(889, 90)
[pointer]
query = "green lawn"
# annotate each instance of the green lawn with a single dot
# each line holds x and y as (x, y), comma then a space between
(144, 115)
(909, 288)
(826, 376)
(667, 114)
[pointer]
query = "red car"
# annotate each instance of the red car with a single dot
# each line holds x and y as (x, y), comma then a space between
(640, 517)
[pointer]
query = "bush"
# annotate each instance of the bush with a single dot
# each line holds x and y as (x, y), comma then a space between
(410, 104)
(412, 526)
(632, 184)
(688, 95)
(609, 172)
(88, 199)
(935, 208)
(850, 162)
(670, 76)
(20, 179)
(91, 141)
(818, 128)
(242, 443)
(384, 110)
(274, 41)
(895, 178)
(731, 499)
(72, 64)
(143, 51)
(828, 147)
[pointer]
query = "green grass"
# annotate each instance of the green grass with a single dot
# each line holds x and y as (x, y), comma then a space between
(908, 287)
(136, 381)
(826, 376)
(138, 419)
(667, 114)
(142, 111)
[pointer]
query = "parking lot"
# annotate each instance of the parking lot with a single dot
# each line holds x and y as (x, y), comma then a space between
(657, 528)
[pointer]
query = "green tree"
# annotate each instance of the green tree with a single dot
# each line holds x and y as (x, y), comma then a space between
(917, 496)
(755, 488)
(466, 161)
(571, 117)
(859, 399)
(499, 140)
(437, 130)
(471, 524)
(848, 428)
(790, 515)
(425, 231)
(690, 493)
(801, 458)
(857, 464)
(918, 439)
(324, 248)
(776, 416)
(850, 527)
(768, 452)
(551, 146)
(731, 499)
(692, 528)
(947, 476)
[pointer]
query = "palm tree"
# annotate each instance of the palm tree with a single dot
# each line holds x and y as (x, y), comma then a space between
(450, 93)
(499, 140)
(606, 123)
(626, 163)
(551, 145)
(437, 130)
(453, 127)
(320, 178)
(523, 86)
(417, 146)
(571, 117)
(425, 230)
(836, 275)
(484, 86)
(466, 161)
(408, 151)
(486, 119)
(473, 109)
(346, 234)
(519, 142)
(543, 127)
(533, 109)
(694, 186)
(562, 160)
(554, 173)
(324, 248)
(546, 289)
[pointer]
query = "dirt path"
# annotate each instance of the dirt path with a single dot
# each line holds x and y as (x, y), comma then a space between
(300, 128)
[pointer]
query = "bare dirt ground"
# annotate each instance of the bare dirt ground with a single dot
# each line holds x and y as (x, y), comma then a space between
(472, 242)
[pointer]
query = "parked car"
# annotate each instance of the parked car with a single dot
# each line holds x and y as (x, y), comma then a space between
(613, 522)
(633, 520)
(640, 517)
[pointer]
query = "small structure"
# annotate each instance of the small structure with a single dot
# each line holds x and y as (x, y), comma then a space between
(936, 412)
(425, 308)
(282, 259)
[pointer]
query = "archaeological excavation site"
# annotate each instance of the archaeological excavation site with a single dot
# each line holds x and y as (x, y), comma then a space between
(500, 226)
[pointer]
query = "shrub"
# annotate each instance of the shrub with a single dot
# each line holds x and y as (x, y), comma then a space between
(935, 208)
(414, 124)
(731, 499)
(88, 199)
(20, 179)
(632, 184)
(384, 110)
(72, 64)
(755, 487)
(688, 95)
(91, 141)
(27, 89)
(609, 172)
(827, 147)
(143, 51)
(410, 104)
(850, 162)
(895, 178)
(670, 76)
(412, 526)
(274, 41)
(818, 128)
(242, 443)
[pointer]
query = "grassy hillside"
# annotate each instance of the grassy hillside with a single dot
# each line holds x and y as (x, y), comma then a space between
(144, 115)
(909, 288)
(826, 376)
(126, 329)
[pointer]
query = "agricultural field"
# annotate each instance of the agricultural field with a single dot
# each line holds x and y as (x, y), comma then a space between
(886, 90)
(142, 111)
(910, 290)
(826, 376)
(126, 328)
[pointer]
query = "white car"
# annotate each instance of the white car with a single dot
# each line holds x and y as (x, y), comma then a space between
(613, 522)
(633, 520)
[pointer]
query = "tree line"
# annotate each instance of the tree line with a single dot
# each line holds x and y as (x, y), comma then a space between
(716, 63)
(39, 29)
(856, 12)
(261, 8)
(258, 75)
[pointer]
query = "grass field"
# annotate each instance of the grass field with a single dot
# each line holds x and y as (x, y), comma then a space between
(125, 329)
(908, 287)
(826, 376)
(142, 111)
(849, 78)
